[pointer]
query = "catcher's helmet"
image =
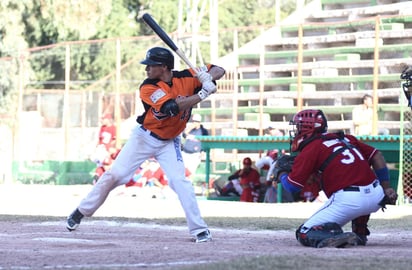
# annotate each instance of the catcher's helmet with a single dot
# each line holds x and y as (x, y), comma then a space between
(159, 56)
(306, 125)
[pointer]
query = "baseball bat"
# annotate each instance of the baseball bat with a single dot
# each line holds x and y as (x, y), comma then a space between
(148, 19)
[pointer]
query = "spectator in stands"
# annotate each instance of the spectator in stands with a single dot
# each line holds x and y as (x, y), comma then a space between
(362, 117)
(192, 147)
(244, 182)
(272, 131)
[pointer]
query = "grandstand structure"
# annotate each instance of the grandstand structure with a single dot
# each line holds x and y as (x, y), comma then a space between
(327, 56)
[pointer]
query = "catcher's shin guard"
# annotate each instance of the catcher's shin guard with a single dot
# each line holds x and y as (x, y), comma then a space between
(360, 227)
(311, 237)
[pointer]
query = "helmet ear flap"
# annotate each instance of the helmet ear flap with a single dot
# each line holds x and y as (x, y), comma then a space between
(323, 122)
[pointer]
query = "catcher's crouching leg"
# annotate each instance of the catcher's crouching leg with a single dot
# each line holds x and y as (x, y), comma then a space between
(325, 235)
(360, 227)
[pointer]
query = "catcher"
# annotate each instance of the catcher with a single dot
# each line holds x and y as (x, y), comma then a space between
(342, 165)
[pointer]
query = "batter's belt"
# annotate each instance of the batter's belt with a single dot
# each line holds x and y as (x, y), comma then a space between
(154, 135)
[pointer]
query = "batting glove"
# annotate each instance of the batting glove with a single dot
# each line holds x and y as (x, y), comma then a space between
(204, 76)
(203, 94)
(209, 87)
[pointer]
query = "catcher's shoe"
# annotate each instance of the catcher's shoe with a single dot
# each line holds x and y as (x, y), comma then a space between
(339, 241)
(361, 241)
(204, 236)
(73, 221)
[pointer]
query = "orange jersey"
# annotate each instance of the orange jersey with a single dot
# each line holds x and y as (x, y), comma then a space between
(154, 93)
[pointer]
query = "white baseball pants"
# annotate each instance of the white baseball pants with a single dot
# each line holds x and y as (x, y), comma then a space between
(140, 147)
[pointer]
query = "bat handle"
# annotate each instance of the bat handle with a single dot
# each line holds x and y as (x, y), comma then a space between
(186, 60)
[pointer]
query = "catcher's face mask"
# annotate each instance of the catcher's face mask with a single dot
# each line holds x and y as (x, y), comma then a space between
(306, 124)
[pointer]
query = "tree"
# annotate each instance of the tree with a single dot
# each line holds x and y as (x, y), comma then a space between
(33, 24)
(12, 52)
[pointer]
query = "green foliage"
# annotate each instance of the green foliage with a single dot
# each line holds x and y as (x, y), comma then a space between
(248, 18)
(12, 43)
(55, 23)
(164, 12)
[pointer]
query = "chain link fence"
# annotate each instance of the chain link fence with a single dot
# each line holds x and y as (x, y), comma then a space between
(61, 122)
(406, 159)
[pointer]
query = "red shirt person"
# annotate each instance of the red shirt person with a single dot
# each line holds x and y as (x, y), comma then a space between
(106, 150)
(107, 132)
(249, 180)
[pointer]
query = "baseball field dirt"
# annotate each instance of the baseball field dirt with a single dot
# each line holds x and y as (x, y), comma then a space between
(139, 232)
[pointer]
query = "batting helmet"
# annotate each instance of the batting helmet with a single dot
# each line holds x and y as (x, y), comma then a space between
(307, 124)
(159, 56)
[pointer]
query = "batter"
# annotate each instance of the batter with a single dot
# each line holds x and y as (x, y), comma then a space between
(168, 97)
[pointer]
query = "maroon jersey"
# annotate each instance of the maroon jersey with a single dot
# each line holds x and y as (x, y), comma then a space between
(250, 181)
(351, 167)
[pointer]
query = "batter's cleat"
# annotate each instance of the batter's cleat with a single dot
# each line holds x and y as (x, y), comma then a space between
(339, 241)
(204, 236)
(73, 221)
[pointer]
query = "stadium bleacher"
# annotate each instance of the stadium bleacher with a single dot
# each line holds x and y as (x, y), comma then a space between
(340, 52)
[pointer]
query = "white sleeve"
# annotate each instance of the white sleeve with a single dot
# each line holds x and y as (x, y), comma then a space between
(266, 160)
(270, 171)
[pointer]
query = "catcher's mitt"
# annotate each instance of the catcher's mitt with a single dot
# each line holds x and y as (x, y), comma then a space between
(389, 198)
(283, 164)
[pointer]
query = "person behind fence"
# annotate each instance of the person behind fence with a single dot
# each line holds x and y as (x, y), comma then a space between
(154, 178)
(268, 163)
(244, 183)
(137, 179)
(106, 150)
(150, 178)
(272, 131)
(362, 117)
(343, 165)
(192, 147)
(168, 97)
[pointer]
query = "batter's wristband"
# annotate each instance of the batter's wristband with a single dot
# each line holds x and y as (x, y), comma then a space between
(382, 174)
(202, 94)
